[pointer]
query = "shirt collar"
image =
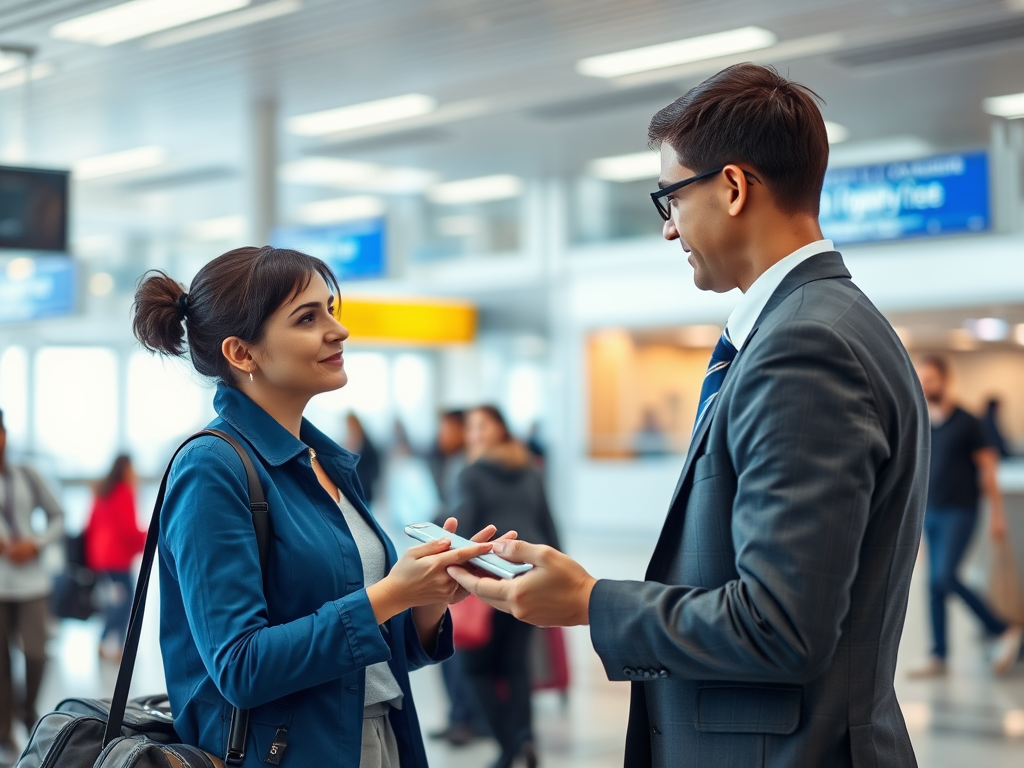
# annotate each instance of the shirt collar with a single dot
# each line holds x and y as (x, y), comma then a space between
(748, 309)
(269, 439)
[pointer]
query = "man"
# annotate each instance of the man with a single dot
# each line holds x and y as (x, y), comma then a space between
(963, 466)
(24, 587)
(448, 459)
(767, 628)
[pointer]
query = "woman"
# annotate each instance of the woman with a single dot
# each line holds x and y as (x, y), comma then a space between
(502, 486)
(112, 540)
(321, 659)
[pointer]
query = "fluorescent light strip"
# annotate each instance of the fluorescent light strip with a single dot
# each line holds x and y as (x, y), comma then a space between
(479, 190)
(1010, 106)
(225, 23)
(341, 209)
(837, 133)
(362, 115)
(138, 18)
(17, 78)
(353, 174)
(214, 230)
(631, 167)
(117, 163)
(679, 52)
(7, 63)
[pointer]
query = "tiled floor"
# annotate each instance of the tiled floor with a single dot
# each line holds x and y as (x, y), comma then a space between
(966, 720)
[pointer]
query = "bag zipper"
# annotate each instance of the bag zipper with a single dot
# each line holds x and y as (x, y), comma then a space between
(62, 737)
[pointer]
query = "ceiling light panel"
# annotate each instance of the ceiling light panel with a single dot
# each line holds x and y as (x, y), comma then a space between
(836, 133)
(117, 163)
(231, 21)
(219, 229)
(362, 115)
(7, 63)
(138, 18)
(338, 173)
(1010, 106)
(631, 167)
(679, 52)
(479, 190)
(341, 209)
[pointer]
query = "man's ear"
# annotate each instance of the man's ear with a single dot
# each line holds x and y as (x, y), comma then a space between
(236, 352)
(738, 189)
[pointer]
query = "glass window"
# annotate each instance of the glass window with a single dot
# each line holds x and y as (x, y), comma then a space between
(76, 409)
(14, 396)
(166, 401)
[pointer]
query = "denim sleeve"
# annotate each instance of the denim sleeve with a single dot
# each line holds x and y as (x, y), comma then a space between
(415, 652)
(208, 536)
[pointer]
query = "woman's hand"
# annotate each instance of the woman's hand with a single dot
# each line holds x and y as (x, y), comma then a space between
(420, 578)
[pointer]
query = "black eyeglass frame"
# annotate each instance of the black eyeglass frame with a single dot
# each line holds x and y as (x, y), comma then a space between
(658, 197)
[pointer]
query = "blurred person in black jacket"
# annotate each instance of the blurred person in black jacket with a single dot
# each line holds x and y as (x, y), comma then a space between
(368, 468)
(501, 486)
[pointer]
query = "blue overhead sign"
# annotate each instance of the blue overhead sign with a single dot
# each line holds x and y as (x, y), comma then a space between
(352, 251)
(942, 195)
(33, 288)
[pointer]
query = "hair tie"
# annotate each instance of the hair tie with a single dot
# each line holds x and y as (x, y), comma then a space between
(183, 306)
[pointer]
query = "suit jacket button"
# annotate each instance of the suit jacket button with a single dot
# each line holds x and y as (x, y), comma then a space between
(663, 673)
(656, 731)
(627, 671)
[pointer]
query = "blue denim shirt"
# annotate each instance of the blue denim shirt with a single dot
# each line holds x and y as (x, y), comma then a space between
(296, 655)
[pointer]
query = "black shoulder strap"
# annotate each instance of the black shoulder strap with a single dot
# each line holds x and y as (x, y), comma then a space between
(261, 524)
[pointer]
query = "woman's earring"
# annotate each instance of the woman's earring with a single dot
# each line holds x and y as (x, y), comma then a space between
(250, 375)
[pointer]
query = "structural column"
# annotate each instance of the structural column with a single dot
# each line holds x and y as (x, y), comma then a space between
(263, 171)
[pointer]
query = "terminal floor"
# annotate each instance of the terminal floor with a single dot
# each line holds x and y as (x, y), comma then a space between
(968, 719)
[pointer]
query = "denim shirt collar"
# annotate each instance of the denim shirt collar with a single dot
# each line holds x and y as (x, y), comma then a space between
(275, 444)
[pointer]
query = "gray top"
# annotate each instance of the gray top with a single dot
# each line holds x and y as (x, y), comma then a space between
(380, 682)
(23, 491)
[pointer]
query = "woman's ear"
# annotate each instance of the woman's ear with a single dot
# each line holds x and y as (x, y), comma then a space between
(236, 352)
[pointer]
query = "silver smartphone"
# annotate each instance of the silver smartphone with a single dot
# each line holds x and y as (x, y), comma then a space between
(490, 562)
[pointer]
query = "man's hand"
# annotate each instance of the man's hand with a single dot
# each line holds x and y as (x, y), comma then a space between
(452, 525)
(556, 592)
(997, 527)
(19, 552)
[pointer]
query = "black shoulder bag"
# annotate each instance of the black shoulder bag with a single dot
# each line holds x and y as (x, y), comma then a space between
(82, 733)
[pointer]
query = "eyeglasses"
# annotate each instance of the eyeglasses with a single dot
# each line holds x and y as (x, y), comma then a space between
(660, 198)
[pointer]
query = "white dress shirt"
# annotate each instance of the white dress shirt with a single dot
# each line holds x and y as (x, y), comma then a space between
(741, 321)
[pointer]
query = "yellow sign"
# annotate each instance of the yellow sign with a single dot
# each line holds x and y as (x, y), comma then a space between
(407, 321)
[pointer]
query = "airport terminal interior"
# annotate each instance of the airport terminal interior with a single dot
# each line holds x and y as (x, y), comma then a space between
(477, 174)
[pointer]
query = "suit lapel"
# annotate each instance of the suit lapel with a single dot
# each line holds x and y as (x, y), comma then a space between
(820, 267)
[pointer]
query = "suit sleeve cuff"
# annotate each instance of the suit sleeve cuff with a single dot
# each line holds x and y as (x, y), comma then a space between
(610, 603)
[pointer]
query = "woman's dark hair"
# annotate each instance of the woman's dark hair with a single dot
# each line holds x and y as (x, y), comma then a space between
(116, 476)
(494, 414)
(233, 295)
(751, 114)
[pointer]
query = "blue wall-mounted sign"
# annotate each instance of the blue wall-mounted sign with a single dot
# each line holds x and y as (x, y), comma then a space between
(942, 195)
(353, 250)
(33, 288)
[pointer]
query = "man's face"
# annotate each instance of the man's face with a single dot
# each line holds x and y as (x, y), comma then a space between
(451, 436)
(933, 382)
(3, 441)
(699, 223)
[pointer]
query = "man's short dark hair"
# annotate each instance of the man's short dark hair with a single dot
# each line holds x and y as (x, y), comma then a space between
(454, 414)
(937, 362)
(751, 114)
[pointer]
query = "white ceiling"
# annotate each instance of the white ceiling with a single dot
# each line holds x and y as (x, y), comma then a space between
(513, 62)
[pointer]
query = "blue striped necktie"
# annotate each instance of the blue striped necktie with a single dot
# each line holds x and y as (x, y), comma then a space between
(721, 358)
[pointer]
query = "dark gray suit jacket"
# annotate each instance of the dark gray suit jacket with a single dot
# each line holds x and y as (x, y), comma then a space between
(767, 628)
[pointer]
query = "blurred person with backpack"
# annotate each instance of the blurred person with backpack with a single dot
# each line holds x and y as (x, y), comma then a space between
(112, 540)
(25, 587)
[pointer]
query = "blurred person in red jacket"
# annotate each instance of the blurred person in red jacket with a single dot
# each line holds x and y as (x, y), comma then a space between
(112, 540)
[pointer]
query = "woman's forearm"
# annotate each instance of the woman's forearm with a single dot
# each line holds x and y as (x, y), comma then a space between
(427, 619)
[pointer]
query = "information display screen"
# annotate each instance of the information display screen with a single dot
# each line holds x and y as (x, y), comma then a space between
(33, 209)
(36, 288)
(353, 250)
(943, 195)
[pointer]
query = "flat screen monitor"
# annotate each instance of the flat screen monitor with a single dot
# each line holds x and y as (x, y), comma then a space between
(33, 209)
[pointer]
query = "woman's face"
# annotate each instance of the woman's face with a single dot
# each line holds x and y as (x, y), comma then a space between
(482, 432)
(301, 351)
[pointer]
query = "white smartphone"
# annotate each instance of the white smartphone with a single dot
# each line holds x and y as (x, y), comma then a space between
(490, 562)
